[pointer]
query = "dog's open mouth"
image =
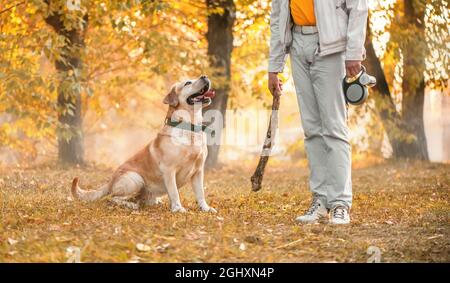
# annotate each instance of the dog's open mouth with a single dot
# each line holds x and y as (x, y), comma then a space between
(205, 95)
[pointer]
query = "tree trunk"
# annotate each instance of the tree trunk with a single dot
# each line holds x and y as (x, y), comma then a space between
(70, 131)
(391, 119)
(220, 46)
(384, 103)
(401, 137)
(413, 85)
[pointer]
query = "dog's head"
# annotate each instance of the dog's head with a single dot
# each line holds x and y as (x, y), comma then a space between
(188, 93)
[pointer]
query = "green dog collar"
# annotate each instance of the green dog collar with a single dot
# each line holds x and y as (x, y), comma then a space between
(188, 126)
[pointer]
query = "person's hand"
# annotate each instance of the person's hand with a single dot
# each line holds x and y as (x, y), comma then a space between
(352, 68)
(275, 85)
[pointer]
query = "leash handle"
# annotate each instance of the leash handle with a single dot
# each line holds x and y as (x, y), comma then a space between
(352, 79)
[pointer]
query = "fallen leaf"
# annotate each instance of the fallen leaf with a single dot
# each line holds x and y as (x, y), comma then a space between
(142, 247)
(54, 227)
(12, 241)
(191, 236)
(162, 248)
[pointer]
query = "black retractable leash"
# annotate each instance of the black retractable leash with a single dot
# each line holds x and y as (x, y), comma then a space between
(356, 88)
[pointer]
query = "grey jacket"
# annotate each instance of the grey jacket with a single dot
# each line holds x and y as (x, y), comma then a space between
(341, 25)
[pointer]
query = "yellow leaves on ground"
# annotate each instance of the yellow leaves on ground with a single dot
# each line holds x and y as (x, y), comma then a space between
(400, 208)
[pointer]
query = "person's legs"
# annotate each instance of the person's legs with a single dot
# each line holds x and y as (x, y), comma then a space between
(327, 73)
(302, 54)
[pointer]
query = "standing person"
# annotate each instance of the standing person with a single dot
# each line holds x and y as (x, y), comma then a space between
(325, 39)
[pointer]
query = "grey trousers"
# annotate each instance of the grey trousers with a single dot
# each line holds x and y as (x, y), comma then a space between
(323, 111)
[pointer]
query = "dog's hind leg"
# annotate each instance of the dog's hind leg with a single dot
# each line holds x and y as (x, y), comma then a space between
(126, 187)
(148, 198)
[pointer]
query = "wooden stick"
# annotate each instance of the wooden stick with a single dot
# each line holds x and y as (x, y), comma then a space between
(268, 145)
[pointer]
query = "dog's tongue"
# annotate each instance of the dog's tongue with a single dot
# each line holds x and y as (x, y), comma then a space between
(210, 93)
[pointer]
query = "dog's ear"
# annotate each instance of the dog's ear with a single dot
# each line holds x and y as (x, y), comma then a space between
(171, 98)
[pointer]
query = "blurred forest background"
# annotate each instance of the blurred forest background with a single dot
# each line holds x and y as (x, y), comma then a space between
(83, 80)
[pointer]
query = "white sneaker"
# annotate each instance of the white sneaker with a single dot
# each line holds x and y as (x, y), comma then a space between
(340, 215)
(315, 213)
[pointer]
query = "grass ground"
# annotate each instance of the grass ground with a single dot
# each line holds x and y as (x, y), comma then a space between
(401, 208)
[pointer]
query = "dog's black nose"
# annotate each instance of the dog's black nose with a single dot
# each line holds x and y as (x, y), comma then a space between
(203, 77)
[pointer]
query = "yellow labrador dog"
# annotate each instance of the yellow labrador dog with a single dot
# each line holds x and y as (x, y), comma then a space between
(175, 157)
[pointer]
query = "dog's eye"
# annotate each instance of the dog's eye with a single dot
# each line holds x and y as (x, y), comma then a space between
(187, 83)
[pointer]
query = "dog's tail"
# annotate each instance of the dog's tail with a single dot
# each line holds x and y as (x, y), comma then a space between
(92, 195)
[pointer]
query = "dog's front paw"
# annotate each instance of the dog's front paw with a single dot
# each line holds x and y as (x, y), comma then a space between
(207, 208)
(179, 209)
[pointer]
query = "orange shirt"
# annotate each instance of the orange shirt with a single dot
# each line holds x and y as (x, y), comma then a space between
(302, 12)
